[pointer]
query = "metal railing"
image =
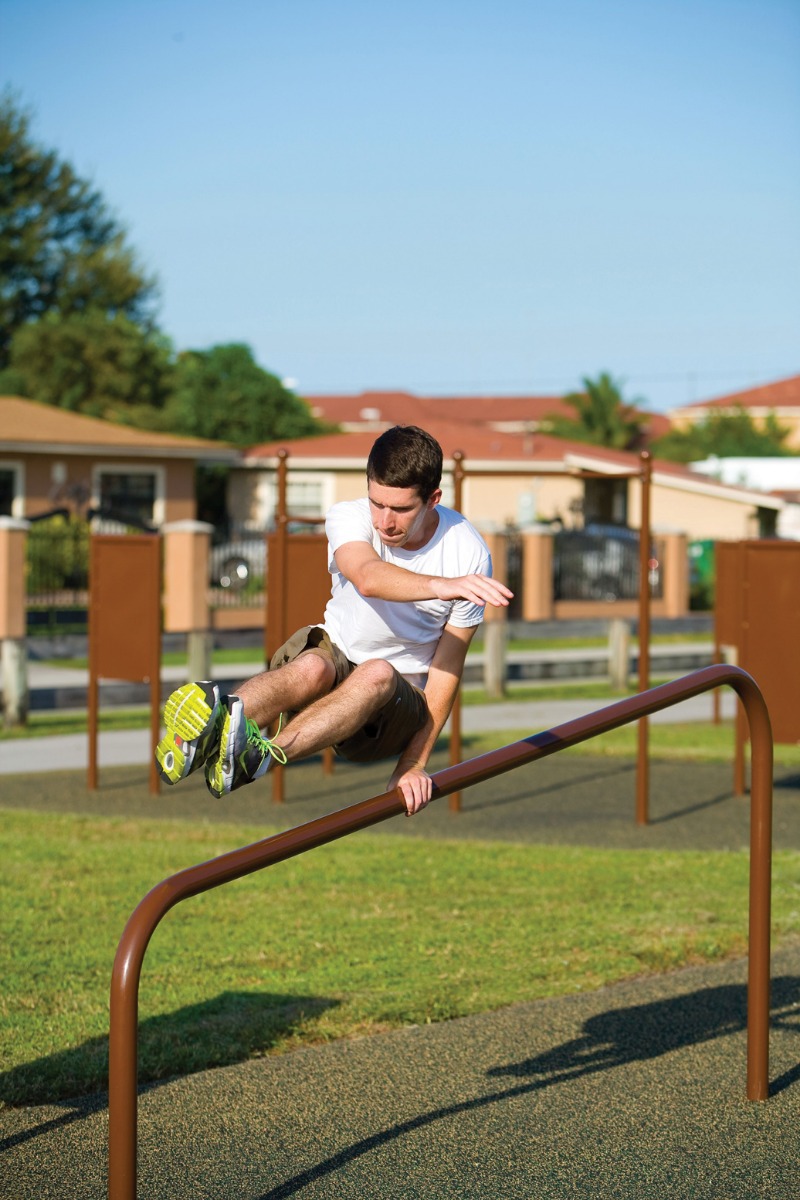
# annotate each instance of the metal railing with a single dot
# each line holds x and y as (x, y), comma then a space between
(123, 1034)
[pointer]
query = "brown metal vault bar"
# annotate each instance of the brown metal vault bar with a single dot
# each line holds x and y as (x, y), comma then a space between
(123, 1034)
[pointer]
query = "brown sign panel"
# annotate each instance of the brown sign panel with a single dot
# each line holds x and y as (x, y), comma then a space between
(297, 590)
(728, 566)
(124, 626)
(758, 606)
(125, 615)
(771, 647)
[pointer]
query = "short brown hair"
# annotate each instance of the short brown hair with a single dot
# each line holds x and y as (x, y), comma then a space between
(405, 456)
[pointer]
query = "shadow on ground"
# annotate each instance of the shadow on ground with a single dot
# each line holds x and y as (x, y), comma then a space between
(231, 1028)
(611, 1039)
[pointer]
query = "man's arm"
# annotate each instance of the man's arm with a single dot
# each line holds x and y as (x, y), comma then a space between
(444, 679)
(373, 577)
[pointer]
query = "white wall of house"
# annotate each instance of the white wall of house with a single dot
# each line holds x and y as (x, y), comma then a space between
(496, 501)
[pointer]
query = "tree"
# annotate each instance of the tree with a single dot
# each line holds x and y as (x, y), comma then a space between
(222, 393)
(100, 365)
(61, 250)
(731, 434)
(602, 416)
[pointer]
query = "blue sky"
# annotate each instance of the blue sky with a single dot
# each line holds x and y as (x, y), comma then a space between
(446, 196)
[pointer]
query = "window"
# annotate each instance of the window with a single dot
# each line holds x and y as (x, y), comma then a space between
(606, 501)
(308, 494)
(130, 495)
(12, 498)
(304, 497)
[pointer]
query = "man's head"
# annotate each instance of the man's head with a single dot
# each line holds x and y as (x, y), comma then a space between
(404, 470)
(406, 457)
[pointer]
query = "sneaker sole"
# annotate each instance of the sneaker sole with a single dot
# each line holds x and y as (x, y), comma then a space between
(215, 774)
(186, 716)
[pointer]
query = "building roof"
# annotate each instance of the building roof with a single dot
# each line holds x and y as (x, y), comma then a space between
(784, 394)
(385, 408)
(375, 410)
(492, 450)
(33, 427)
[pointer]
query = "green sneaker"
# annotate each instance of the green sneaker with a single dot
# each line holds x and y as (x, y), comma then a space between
(244, 755)
(192, 715)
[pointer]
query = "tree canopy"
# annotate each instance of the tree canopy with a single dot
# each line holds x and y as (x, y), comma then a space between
(103, 366)
(602, 416)
(61, 250)
(725, 434)
(222, 393)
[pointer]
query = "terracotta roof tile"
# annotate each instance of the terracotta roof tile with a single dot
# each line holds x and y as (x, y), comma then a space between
(30, 423)
(785, 393)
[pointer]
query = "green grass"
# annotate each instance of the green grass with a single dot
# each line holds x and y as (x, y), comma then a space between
(174, 658)
(58, 723)
(593, 643)
(367, 934)
(694, 741)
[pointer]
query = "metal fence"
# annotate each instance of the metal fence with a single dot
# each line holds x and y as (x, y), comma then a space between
(57, 562)
(238, 569)
(57, 565)
(601, 565)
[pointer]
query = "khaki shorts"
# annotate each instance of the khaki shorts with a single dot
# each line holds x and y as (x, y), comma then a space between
(391, 728)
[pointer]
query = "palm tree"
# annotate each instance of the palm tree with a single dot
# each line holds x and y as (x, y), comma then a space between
(602, 416)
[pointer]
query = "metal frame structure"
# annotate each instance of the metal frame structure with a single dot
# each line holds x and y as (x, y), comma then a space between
(124, 1018)
(460, 473)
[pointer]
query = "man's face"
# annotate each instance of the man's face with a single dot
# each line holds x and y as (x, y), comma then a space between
(400, 517)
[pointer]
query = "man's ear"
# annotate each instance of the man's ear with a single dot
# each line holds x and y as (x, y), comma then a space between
(434, 499)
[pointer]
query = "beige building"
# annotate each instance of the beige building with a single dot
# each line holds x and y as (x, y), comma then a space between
(51, 458)
(511, 479)
(780, 399)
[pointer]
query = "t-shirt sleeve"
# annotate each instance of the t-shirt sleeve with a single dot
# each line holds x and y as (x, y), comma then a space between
(464, 614)
(346, 521)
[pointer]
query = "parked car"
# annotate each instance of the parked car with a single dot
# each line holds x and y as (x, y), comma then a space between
(600, 562)
(238, 562)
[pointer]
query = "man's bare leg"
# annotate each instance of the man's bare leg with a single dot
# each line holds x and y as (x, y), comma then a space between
(290, 688)
(340, 713)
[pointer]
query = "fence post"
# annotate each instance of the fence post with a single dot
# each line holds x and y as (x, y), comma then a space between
(619, 654)
(537, 573)
(675, 569)
(495, 624)
(14, 656)
(186, 608)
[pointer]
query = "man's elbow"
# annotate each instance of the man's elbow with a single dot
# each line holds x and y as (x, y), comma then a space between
(365, 584)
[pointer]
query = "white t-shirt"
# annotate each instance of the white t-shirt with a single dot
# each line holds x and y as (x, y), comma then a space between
(403, 633)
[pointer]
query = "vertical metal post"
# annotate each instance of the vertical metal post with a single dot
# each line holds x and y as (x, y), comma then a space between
(93, 691)
(643, 764)
(456, 748)
(279, 578)
(758, 964)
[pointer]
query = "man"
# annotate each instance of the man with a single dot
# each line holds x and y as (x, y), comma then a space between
(378, 677)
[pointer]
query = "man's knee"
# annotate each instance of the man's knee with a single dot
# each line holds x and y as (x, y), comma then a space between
(318, 669)
(380, 676)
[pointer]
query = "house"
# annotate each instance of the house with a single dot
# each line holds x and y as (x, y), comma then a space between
(52, 458)
(780, 477)
(781, 399)
(512, 479)
(375, 410)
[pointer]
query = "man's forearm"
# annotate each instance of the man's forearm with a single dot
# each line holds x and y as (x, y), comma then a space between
(380, 580)
(440, 705)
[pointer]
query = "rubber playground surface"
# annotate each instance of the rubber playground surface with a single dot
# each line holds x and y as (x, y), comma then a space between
(632, 1091)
